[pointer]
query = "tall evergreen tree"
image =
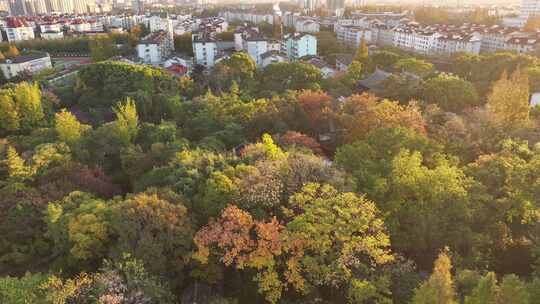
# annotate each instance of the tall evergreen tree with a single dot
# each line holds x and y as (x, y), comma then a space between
(362, 53)
(485, 292)
(513, 290)
(439, 288)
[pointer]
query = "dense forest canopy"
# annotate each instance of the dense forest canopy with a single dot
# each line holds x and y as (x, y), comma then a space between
(275, 185)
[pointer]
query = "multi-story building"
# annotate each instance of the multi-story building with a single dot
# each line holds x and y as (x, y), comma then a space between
(250, 40)
(155, 48)
(160, 22)
(51, 35)
(30, 63)
(216, 25)
(353, 35)
(247, 16)
(530, 8)
(50, 27)
(255, 46)
(524, 44)
(305, 25)
(205, 50)
(17, 29)
(494, 38)
(453, 43)
(85, 26)
(298, 45)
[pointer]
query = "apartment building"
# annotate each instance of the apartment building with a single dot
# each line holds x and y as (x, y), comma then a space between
(250, 40)
(205, 49)
(352, 35)
(155, 48)
(494, 38)
(29, 63)
(448, 44)
(160, 22)
(17, 29)
(298, 45)
(247, 16)
(305, 25)
(524, 44)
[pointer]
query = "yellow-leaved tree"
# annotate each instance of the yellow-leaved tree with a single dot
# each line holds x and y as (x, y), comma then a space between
(439, 288)
(508, 101)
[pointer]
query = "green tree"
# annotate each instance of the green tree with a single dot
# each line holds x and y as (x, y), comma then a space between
(28, 99)
(68, 128)
(362, 53)
(9, 114)
(79, 226)
(370, 160)
(509, 100)
(513, 290)
(157, 229)
(17, 169)
(183, 44)
(242, 68)
(283, 76)
(22, 290)
(485, 292)
(439, 288)
(126, 124)
(101, 48)
(353, 75)
(450, 93)
(384, 59)
(331, 238)
(436, 199)
(415, 66)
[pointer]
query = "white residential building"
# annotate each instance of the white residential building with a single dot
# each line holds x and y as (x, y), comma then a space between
(530, 8)
(255, 47)
(213, 25)
(247, 16)
(160, 22)
(50, 27)
(85, 26)
(205, 49)
(306, 26)
(17, 30)
(298, 45)
(524, 44)
(30, 63)
(449, 44)
(249, 39)
(353, 35)
(494, 38)
(51, 35)
(155, 47)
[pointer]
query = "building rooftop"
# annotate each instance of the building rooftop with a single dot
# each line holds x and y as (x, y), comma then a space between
(14, 22)
(154, 38)
(26, 58)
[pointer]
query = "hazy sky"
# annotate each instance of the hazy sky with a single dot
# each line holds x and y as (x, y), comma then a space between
(450, 2)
